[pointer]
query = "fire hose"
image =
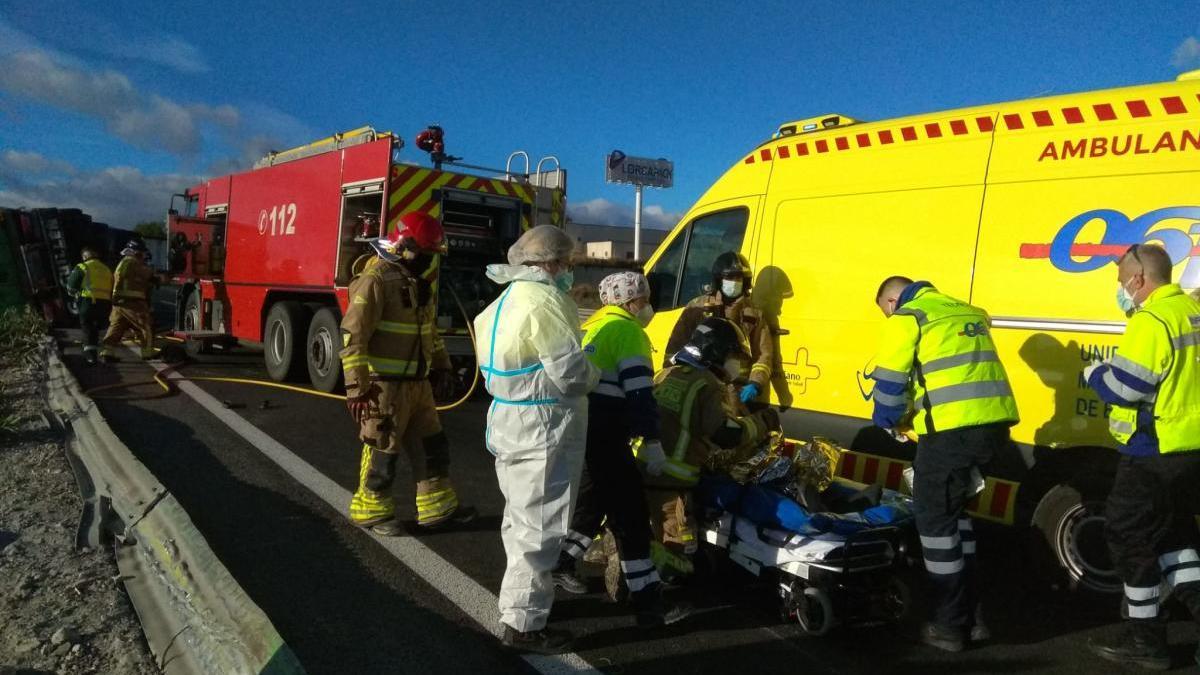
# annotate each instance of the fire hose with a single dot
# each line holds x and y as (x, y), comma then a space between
(160, 378)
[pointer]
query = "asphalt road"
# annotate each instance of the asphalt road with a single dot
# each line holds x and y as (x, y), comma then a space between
(344, 603)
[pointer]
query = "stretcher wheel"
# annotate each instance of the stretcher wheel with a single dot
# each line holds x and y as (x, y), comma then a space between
(814, 611)
(896, 600)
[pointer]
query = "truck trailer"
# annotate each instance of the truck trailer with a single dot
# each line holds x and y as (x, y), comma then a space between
(265, 256)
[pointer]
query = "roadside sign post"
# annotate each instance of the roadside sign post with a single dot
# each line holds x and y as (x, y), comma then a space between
(639, 172)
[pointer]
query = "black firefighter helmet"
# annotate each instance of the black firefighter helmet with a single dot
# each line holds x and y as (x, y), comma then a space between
(715, 340)
(731, 265)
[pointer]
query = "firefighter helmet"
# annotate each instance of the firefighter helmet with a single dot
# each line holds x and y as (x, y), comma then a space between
(417, 232)
(731, 265)
(715, 340)
(134, 246)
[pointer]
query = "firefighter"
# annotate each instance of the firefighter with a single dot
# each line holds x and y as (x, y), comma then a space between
(698, 418)
(937, 358)
(528, 347)
(133, 281)
(1153, 384)
(620, 409)
(91, 282)
(729, 298)
(391, 352)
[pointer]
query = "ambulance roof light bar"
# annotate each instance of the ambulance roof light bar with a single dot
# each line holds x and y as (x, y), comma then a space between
(811, 124)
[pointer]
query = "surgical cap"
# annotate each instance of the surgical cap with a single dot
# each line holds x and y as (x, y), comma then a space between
(620, 288)
(544, 243)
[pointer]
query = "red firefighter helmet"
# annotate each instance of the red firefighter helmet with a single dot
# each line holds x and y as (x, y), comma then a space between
(417, 232)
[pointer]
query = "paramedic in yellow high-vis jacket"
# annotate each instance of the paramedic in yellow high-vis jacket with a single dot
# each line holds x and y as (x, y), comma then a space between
(1153, 384)
(937, 362)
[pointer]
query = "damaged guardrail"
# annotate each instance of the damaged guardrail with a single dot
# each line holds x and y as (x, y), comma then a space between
(196, 617)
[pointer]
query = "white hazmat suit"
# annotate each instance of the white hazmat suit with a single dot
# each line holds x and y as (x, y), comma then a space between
(528, 348)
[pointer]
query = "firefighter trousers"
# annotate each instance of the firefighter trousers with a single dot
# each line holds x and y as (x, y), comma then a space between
(404, 418)
(611, 494)
(942, 486)
(130, 317)
(673, 526)
(93, 316)
(1151, 529)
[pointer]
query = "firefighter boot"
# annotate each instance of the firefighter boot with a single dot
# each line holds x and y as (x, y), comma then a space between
(438, 507)
(1141, 642)
(372, 504)
(565, 576)
(89, 355)
(651, 609)
(545, 641)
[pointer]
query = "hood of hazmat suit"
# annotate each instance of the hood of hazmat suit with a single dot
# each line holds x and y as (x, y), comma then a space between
(528, 349)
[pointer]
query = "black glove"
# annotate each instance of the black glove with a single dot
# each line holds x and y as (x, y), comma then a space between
(444, 384)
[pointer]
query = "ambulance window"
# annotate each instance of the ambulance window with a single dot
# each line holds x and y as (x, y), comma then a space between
(664, 276)
(711, 235)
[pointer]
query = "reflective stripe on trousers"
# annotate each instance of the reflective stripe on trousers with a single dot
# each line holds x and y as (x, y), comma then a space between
(1180, 567)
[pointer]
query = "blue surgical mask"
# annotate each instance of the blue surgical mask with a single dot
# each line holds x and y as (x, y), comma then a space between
(1125, 300)
(565, 280)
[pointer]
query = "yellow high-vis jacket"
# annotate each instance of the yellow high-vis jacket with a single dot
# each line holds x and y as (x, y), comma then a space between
(937, 360)
(1153, 381)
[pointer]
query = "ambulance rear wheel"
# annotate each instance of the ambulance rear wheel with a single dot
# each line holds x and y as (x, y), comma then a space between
(324, 342)
(1070, 519)
(283, 340)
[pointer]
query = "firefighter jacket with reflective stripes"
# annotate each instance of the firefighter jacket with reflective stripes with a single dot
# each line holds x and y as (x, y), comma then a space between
(389, 331)
(697, 419)
(615, 342)
(91, 279)
(132, 281)
(937, 359)
(1153, 381)
(759, 327)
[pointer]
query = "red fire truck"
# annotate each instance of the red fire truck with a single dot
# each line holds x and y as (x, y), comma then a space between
(265, 256)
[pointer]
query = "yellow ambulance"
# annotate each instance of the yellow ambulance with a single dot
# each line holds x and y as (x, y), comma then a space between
(1021, 208)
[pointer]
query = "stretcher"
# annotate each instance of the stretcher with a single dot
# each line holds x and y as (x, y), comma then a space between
(830, 568)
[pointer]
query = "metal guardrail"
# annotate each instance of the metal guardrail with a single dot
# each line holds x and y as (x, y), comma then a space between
(196, 617)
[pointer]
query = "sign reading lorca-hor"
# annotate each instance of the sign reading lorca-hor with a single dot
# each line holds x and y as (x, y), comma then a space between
(658, 173)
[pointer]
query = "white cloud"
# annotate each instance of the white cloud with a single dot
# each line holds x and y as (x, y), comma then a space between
(149, 122)
(1187, 54)
(160, 49)
(121, 196)
(601, 211)
(18, 163)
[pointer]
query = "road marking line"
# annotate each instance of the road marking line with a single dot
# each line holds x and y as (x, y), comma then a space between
(467, 594)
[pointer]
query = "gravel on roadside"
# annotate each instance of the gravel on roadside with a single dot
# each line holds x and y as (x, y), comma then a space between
(61, 610)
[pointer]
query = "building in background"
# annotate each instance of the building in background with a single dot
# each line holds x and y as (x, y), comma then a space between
(612, 242)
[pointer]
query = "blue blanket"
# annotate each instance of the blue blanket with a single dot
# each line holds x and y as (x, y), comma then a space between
(767, 507)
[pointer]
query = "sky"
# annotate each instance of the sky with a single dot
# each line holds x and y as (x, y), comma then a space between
(112, 107)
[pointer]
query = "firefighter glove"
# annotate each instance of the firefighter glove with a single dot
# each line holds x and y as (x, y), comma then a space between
(360, 404)
(443, 384)
(652, 454)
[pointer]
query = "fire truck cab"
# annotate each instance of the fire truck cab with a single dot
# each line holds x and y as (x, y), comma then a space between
(266, 255)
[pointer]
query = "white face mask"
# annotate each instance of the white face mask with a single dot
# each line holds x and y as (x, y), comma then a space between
(733, 368)
(731, 288)
(645, 314)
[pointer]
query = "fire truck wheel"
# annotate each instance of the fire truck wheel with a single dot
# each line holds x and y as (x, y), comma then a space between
(191, 322)
(283, 340)
(324, 338)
